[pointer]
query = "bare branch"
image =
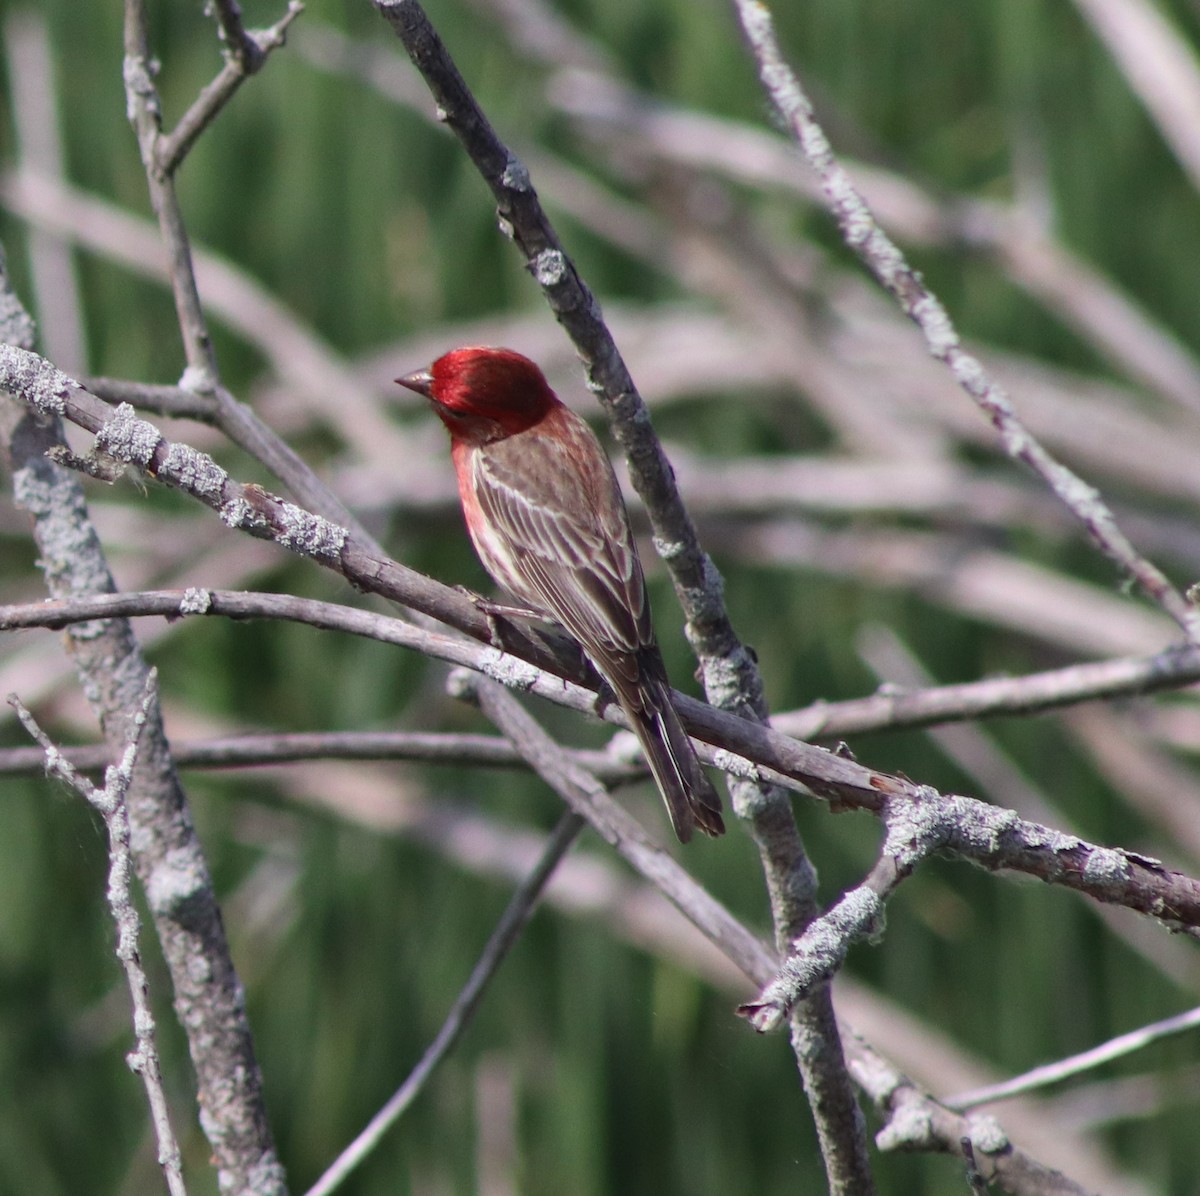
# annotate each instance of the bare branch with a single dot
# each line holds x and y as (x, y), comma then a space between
(518, 912)
(310, 368)
(894, 707)
(817, 955)
(1074, 1065)
(246, 52)
(915, 1121)
(249, 751)
(145, 114)
(588, 798)
(123, 437)
(32, 85)
(730, 673)
(170, 860)
(1160, 66)
(889, 266)
(110, 803)
(986, 835)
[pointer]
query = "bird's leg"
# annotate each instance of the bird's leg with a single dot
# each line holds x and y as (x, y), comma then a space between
(605, 697)
(498, 615)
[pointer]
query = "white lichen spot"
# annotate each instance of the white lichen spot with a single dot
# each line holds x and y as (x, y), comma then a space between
(734, 765)
(515, 176)
(1035, 835)
(33, 380)
(876, 1077)
(981, 825)
(988, 1136)
(237, 512)
(195, 601)
(757, 19)
(669, 550)
(309, 534)
(197, 380)
(915, 828)
(174, 882)
(859, 914)
(722, 674)
(194, 472)
(935, 323)
(550, 267)
(858, 226)
(510, 671)
(1105, 866)
(911, 1125)
(125, 437)
(969, 372)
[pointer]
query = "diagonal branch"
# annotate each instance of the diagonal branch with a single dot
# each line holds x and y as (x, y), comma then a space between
(514, 919)
(973, 830)
(246, 52)
(730, 673)
(169, 857)
(1065, 1069)
(885, 260)
(913, 1119)
(110, 803)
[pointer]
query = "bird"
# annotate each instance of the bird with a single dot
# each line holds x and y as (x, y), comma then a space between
(544, 512)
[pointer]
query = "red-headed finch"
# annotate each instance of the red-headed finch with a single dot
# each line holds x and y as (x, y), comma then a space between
(545, 514)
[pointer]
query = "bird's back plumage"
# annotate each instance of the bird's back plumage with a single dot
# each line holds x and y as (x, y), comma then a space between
(546, 517)
(577, 562)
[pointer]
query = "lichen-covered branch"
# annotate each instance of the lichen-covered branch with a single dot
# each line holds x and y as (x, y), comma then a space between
(883, 257)
(730, 673)
(170, 861)
(110, 803)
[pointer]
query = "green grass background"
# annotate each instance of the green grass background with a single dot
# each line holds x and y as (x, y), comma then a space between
(630, 1076)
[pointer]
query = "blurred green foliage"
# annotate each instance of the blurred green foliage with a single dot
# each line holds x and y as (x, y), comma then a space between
(628, 1075)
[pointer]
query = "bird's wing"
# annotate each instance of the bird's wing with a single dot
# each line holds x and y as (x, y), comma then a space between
(554, 507)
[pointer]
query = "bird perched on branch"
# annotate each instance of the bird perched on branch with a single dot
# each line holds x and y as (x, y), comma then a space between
(546, 517)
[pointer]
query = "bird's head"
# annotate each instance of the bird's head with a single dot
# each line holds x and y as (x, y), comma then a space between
(484, 392)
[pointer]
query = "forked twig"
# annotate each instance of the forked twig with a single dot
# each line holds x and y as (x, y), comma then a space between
(110, 803)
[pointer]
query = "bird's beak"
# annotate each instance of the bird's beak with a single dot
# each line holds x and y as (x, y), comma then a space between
(419, 380)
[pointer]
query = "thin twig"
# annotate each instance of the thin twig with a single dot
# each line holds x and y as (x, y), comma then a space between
(123, 437)
(310, 369)
(110, 803)
(1073, 1065)
(895, 707)
(916, 1121)
(588, 798)
(880, 254)
(246, 52)
(991, 837)
(145, 114)
(818, 954)
(1071, 290)
(169, 858)
(1160, 66)
(252, 751)
(34, 103)
(517, 913)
